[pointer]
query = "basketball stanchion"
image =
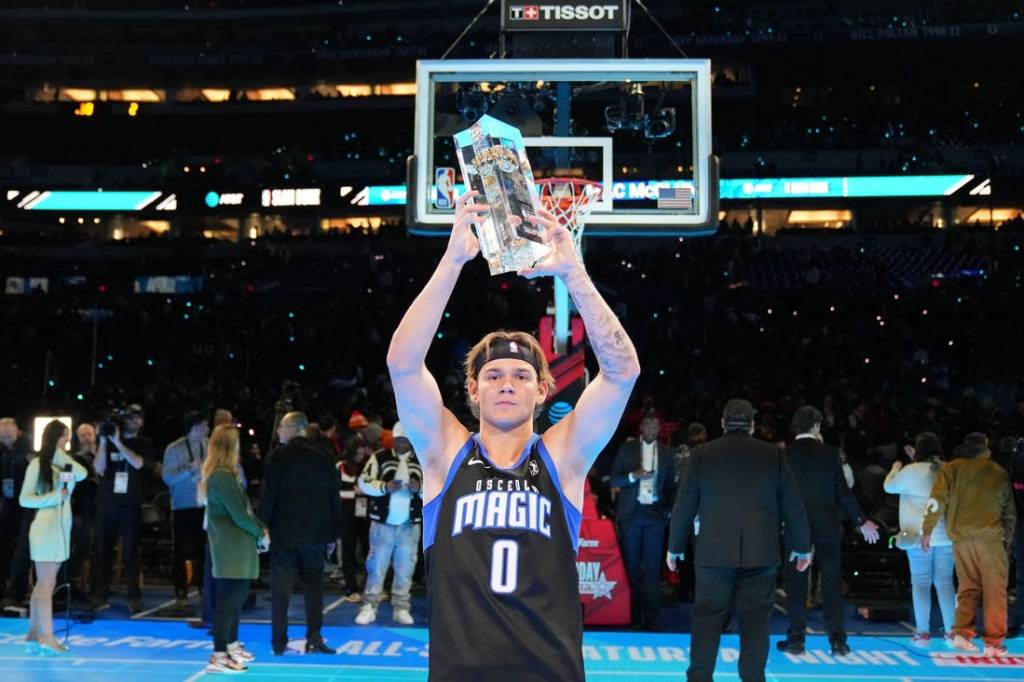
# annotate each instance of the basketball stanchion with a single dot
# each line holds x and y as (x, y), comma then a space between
(570, 200)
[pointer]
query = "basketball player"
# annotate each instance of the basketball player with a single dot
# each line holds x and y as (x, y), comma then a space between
(502, 506)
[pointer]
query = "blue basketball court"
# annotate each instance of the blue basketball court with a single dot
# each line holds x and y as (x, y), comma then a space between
(154, 651)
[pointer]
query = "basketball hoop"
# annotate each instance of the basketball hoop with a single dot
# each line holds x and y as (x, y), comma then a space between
(570, 200)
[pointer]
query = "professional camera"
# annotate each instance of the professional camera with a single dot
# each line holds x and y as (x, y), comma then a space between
(113, 421)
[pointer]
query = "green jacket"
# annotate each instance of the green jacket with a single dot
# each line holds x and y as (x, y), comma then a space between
(232, 528)
(973, 494)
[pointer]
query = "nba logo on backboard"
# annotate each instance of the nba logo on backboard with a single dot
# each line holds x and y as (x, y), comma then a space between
(444, 188)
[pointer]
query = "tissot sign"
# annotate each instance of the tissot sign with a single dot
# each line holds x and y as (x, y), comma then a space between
(550, 16)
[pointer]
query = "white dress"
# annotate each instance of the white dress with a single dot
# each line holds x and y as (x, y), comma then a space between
(49, 536)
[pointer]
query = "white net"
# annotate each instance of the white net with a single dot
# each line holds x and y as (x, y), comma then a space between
(570, 200)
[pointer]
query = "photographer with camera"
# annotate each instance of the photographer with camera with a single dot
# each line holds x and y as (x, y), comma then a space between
(182, 470)
(119, 464)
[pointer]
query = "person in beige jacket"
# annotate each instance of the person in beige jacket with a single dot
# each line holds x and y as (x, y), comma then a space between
(972, 493)
(49, 481)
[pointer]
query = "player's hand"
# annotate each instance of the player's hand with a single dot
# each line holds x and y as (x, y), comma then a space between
(563, 258)
(869, 529)
(802, 565)
(672, 560)
(463, 246)
(926, 542)
(909, 451)
(898, 465)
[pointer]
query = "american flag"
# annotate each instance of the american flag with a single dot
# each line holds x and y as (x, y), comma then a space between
(675, 197)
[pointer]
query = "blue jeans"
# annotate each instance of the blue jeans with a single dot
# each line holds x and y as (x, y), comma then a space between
(394, 546)
(934, 567)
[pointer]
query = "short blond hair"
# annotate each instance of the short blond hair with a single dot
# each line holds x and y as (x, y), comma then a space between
(483, 349)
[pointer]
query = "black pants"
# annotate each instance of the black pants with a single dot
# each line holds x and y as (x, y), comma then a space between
(642, 537)
(230, 596)
(209, 587)
(750, 591)
(1017, 618)
(16, 555)
(83, 541)
(309, 563)
(828, 560)
(189, 544)
(354, 530)
(111, 521)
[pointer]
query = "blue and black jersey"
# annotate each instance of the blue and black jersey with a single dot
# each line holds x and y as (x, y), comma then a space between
(503, 586)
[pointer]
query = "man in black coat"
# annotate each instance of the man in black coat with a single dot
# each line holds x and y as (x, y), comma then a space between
(742, 491)
(818, 470)
(301, 505)
(644, 472)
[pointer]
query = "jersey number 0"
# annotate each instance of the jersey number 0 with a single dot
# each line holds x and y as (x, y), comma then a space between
(504, 566)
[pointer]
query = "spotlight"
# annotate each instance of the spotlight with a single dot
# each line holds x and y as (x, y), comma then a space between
(628, 114)
(472, 104)
(660, 124)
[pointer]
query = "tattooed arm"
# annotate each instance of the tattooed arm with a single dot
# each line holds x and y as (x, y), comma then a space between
(577, 440)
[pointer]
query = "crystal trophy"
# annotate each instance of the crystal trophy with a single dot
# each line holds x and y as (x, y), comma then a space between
(492, 156)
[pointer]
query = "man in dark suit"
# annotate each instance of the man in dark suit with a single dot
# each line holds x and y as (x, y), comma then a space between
(818, 470)
(743, 491)
(644, 472)
(301, 505)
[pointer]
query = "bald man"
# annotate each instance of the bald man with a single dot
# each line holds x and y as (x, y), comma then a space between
(301, 504)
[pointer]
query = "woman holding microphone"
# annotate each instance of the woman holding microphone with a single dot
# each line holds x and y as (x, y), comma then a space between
(235, 538)
(49, 481)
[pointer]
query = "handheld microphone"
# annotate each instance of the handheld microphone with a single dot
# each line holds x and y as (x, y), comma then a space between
(66, 476)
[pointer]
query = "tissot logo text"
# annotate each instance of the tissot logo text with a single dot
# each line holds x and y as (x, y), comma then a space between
(562, 12)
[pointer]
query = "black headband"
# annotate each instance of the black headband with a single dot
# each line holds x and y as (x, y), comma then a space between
(501, 349)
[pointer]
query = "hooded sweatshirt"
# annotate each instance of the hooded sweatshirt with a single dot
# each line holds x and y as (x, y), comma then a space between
(914, 483)
(973, 494)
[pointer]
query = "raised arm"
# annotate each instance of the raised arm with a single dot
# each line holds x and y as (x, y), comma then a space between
(30, 498)
(431, 427)
(577, 440)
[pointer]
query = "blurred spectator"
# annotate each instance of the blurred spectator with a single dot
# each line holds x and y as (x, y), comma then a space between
(83, 509)
(234, 533)
(182, 471)
(301, 506)
(1017, 482)
(914, 483)
(973, 495)
(355, 520)
(392, 480)
(644, 473)
(818, 471)
(15, 451)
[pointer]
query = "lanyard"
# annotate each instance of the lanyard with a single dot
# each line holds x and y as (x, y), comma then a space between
(191, 458)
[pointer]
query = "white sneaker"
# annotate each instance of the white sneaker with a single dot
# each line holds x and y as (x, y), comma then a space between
(995, 651)
(223, 663)
(403, 617)
(366, 615)
(239, 653)
(963, 644)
